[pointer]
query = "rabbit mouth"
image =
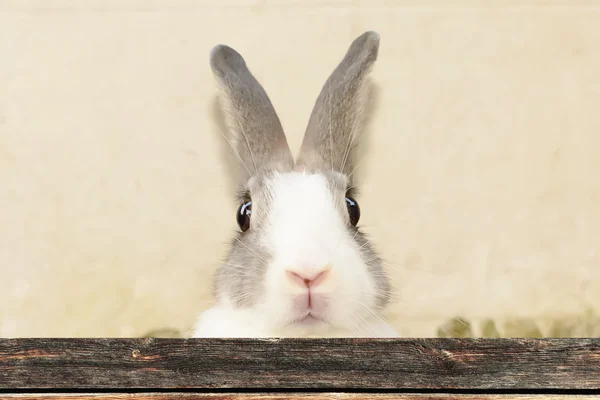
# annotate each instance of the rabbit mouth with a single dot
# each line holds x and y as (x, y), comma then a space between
(309, 319)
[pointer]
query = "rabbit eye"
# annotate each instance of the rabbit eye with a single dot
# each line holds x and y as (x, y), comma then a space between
(353, 210)
(243, 216)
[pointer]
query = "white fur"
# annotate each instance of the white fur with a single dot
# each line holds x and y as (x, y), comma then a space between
(304, 232)
(227, 322)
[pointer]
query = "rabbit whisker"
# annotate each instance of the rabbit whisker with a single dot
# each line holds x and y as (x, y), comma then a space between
(249, 147)
(235, 151)
(241, 267)
(251, 251)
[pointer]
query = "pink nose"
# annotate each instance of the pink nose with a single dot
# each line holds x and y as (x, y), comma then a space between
(307, 280)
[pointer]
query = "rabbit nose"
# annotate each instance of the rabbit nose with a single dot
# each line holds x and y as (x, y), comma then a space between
(307, 279)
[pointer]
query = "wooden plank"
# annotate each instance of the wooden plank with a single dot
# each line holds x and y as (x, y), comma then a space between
(324, 364)
(288, 396)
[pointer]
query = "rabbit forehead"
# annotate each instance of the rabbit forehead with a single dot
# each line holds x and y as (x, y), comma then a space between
(303, 196)
(317, 190)
(278, 196)
(307, 217)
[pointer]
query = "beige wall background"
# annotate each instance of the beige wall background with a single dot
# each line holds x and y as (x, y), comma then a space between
(481, 178)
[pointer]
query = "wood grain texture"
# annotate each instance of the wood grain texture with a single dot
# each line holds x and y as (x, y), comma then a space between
(324, 364)
(288, 396)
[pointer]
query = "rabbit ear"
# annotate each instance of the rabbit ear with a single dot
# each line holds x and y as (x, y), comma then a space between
(337, 115)
(254, 130)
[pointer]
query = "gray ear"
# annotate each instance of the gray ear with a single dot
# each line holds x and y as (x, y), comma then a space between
(254, 130)
(338, 112)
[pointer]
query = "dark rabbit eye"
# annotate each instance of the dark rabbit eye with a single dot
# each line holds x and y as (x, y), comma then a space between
(353, 210)
(243, 216)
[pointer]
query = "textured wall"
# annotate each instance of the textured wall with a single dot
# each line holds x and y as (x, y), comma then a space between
(480, 181)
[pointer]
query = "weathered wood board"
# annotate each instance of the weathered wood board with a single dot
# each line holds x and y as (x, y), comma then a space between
(255, 369)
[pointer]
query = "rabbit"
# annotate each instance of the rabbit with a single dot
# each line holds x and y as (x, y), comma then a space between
(299, 265)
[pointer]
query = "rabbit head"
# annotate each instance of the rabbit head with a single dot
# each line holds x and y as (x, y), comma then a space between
(299, 265)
